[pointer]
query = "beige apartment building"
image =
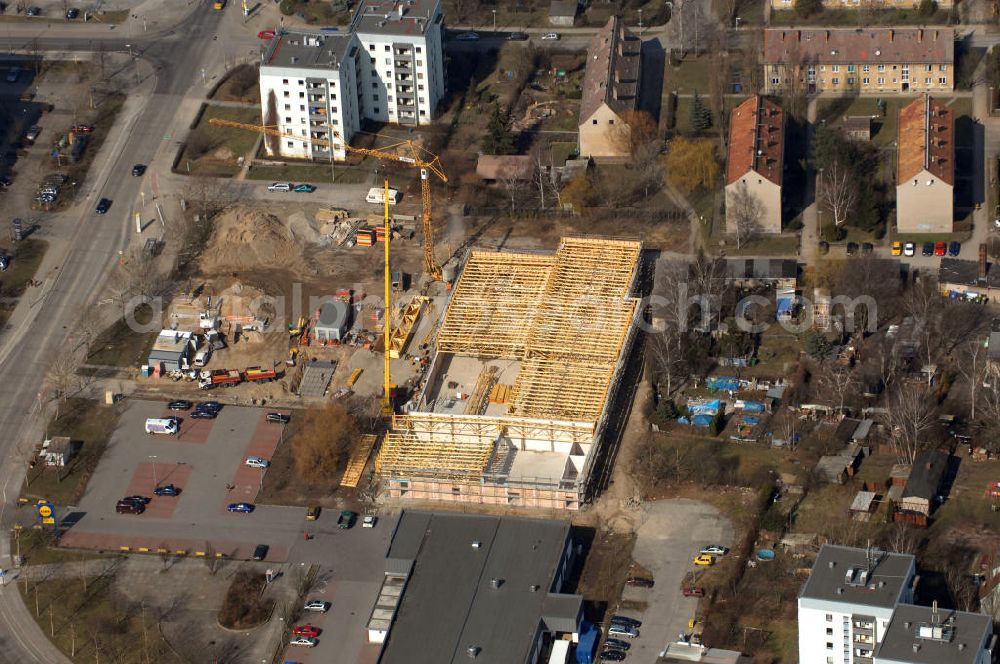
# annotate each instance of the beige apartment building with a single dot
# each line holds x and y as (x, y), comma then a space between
(754, 168)
(925, 168)
(859, 60)
(610, 91)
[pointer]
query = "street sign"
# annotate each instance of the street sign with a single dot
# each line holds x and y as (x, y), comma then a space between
(46, 513)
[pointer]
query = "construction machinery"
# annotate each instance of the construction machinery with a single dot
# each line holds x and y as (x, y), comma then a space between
(402, 152)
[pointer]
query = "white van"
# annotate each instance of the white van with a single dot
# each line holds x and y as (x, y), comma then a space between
(375, 195)
(279, 186)
(202, 356)
(167, 425)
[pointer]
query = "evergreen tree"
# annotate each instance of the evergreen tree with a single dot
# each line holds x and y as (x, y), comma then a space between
(498, 139)
(701, 116)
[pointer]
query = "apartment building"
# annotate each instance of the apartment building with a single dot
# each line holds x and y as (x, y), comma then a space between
(858, 60)
(846, 605)
(610, 90)
(857, 4)
(929, 635)
(925, 167)
(754, 167)
(387, 67)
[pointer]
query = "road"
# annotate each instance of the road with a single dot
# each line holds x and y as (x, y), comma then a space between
(75, 267)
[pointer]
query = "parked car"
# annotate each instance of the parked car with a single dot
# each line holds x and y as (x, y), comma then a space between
(139, 500)
(317, 605)
(517, 36)
(13, 74)
(824, 247)
(346, 519)
(167, 490)
(209, 405)
(312, 513)
(612, 656)
(4, 263)
(304, 188)
(33, 133)
(33, 11)
(103, 206)
(625, 620)
(278, 418)
(909, 249)
(623, 630)
(306, 641)
(852, 248)
(180, 404)
(467, 36)
(82, 129)
(138, 170)
(693, 591)
(265, 34)
(867, 248)
(128, 507)
(940, 248)
(306, 630)
(897, 248)
(260, 552)
(639, 582)
(928, 249)
(714, 550)
(617, 644)
(204, 415)
(257, 462)
(279, 186)
(72, 13)
(368, 521)
(241, 508)
(954, 248)
(704, 560)
(550, 36)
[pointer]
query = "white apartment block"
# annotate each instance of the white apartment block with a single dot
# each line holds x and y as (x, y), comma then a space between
(388, 66)
(846, 605)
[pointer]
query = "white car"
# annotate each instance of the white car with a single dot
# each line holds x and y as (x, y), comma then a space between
(468, 36)
(550, 36)
(258, 462)
(317, 605)
(909, 249)
(306, 641)
(714, 550)
(279, 186)
(368, 522)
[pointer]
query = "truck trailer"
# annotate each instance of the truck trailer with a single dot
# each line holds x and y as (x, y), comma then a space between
(219, 378)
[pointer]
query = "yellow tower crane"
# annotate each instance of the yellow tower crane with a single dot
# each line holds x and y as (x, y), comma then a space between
(418, 158)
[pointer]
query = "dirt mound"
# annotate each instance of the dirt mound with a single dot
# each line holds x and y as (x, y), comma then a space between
(246, 239)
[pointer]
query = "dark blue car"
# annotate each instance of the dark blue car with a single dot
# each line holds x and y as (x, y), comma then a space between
(242, 508)
(954, 247)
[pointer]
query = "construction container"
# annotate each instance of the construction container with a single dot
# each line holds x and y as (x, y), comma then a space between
(366, 238)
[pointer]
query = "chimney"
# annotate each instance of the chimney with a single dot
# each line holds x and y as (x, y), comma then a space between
(782, 35)
(828, 35)
(935, 35)
(920, 36)
(798, 35)
(892, 34)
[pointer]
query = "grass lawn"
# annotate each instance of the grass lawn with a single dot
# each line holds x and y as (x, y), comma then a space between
(120, 346)
(38, 548)
(27, 256)
(967, 504)
(689, 76)
(108, 109)
(282, 486)
(884, 127)
(89, 423)
(920, 238)
(765, 245)
(777, 348)
(225, 145)
(313, 173)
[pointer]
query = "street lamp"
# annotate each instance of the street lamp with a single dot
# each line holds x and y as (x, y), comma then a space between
(494, 20)
(153, 457)
(640, 21)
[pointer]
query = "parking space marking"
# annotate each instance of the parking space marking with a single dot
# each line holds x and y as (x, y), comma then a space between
(189, 547)
(144, 479)
(247, 481)
(191, 430)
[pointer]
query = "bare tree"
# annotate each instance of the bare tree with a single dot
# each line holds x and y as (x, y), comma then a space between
(840, 382)
(671, 319)
(972, 365)
(909, 417)
(745, 211)
(719, 81)
(515, 186)
(839, 191)
(61, 378)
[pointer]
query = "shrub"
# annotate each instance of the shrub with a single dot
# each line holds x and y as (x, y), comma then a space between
(243, 606)
(287, 7)
(833, 232)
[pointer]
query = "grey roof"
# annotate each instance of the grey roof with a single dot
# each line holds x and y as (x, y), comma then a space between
(167, 355)
(925, 477)
(308, 49)
(911, 637)
(612, 73)
(563, 8)
(333, 315)
(993, 346)
(966, 272)
(396, 17)
(450, 603)
(761, 268)
(864, 428)
(845, 430)
(883, 588)
(316, 377)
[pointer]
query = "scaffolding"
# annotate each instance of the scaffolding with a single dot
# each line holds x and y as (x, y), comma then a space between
(356, 466)
(400, 335)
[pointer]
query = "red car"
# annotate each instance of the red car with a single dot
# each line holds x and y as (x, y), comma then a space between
(83, 129)
(266, 34)
(306, 630)
(693, 591)
(940, 248)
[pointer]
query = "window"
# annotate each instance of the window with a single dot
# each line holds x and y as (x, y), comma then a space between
(374, 97)
(388, 61)
(927, 81)
(334, 96)
(775, 81)
(943, 68)
(595, 121)
(388, 74)
(284, 81)
(374, 85)
(288, 120)
(302, 107)
(930, 67)
(301, 82)
(610, 122)
(835, 68)
(290, 144)
(423, 112)
(829, 617)
(881, 67)
(287, 94)
(881, 81)
(420, 63)
(422, 100)
(866, 68)
(333, 109)
(371, 47)
(850, 69)
(420, 75)
(829, 660)
(829, 646)
(374, 73)
(829, 631)
(943, 80)
(371, 60)
(375, 110)
(302, 95)
(389, 99)
(822, 67)
(419, 49)
(288, 107)
(386, 48)
(866, 80)
(835, 80)
(420, 86)
(850, 80)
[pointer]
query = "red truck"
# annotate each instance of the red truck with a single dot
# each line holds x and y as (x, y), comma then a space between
(259, 375)
(219, 378)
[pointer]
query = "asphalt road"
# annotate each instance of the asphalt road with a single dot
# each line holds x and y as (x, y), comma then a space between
(37, 336)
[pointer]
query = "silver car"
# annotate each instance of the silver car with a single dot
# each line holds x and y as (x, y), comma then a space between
(618, 629)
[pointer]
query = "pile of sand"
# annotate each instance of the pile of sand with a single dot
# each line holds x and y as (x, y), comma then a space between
(245, 239)
(304, 229)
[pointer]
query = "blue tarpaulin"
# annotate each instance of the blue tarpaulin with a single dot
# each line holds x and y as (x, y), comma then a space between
(752, 420)
(722, 383)
(753, 406)
(705, 407)
(585, 649)
(702, 420)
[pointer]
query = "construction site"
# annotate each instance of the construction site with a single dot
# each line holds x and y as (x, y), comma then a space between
(513, 407)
